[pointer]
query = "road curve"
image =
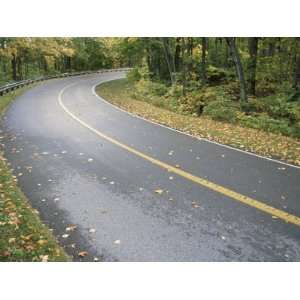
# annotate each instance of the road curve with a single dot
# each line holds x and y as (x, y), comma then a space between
(65, 145)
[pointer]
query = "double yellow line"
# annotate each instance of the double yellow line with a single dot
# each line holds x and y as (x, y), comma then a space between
(274, 212)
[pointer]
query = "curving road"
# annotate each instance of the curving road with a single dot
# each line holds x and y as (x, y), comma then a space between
(141, 192)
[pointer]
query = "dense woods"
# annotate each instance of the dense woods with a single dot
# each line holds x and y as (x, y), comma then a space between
(252, 81)
(22, 58)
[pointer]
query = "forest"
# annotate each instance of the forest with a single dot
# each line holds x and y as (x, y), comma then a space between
(250, 81)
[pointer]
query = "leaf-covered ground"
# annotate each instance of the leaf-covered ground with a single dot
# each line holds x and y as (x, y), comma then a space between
(23, 237)
(267, 144)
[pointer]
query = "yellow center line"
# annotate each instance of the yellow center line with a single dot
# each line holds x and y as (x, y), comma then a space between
(203, 182)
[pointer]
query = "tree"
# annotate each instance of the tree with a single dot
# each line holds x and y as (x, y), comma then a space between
(203, 60)
(296, 79)
(238, 66)
(169, 59)
(253, 46)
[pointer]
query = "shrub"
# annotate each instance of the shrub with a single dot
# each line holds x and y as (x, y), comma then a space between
(276, 107)
(222, 110)
(215, 75)
(134, 75)
(266, 87)
(269, 124)
(191, 103)
(253, 105)
(158, 89)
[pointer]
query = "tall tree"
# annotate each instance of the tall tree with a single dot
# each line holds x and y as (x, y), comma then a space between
(238, 66)
(296, 81)
(177, 54)
(203, 59)
(169, 59)
(252, 46)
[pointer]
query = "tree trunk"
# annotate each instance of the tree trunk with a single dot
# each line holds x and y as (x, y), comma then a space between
(238, 67)
(203, 59)
(252, 46)
(177, 55)
(19, 69)
(191, 46)
(296, 83)
(14, 67)
(184, 66)
(169, 60)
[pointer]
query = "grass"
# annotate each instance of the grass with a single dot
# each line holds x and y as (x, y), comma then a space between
(119, 92)
(23, 237)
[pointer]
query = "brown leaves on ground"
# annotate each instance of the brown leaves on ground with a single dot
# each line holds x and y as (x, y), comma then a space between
(159, 191)
(83, 254)
(22, 235)
(71, 228)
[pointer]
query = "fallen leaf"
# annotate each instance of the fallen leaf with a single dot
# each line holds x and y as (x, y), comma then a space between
(12, 240)
(82, 253)
(195, 205)
(42, 242)
(44, 258)
(71, 228)
(159, 191)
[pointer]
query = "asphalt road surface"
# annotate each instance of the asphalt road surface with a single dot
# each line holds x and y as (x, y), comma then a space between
(83, 162)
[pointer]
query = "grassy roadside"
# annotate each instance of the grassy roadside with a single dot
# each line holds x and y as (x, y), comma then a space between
(23, 237)
(119, 92)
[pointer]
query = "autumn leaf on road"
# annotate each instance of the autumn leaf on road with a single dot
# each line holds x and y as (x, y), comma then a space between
(71, 228)
(82, 253)
(159, 191)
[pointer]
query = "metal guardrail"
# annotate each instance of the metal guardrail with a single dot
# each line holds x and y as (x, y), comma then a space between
(13, 86)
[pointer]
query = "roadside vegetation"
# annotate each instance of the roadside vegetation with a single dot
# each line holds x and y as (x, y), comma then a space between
(123, 93)
(23, 237)
(243, 92)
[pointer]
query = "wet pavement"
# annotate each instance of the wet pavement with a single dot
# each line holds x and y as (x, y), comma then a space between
(127, 209)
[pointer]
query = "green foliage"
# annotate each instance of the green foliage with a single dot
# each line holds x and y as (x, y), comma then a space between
(134, 75)
(222, 110)
(148, 88)
(269, 124)
(277, 107)
(216, 75)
